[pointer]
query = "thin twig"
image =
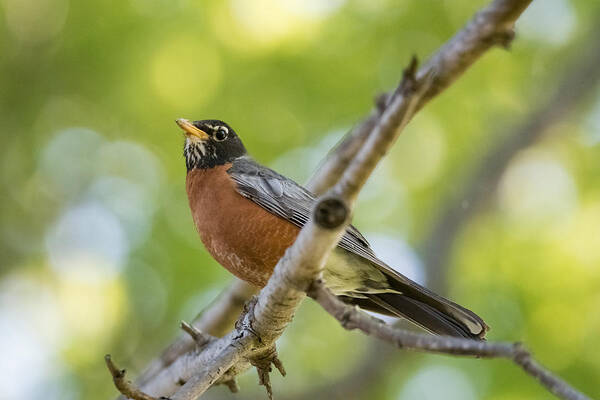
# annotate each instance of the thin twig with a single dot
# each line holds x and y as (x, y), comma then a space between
(352, 318)
(201, 338)
(123, 385)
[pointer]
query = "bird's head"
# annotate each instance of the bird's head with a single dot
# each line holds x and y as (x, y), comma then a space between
(209, 143)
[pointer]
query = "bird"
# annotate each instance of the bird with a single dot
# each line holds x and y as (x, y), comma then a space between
(247, 215)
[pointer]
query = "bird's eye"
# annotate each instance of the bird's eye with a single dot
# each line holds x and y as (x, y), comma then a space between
(221, 134)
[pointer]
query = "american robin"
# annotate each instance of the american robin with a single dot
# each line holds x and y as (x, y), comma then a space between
(247, 215)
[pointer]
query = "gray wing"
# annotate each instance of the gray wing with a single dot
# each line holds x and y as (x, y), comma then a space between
(286, 199)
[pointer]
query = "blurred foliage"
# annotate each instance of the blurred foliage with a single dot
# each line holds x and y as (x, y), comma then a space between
(98, 250)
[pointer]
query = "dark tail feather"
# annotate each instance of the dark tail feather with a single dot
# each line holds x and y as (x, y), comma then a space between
(426, 316)
(423, 307)
(438, 315)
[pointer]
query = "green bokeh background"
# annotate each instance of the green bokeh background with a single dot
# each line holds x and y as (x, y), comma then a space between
(98, 250)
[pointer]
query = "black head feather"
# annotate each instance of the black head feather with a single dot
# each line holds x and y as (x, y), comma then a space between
(221, 147)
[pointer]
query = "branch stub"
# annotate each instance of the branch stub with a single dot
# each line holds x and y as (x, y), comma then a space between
(330, 212)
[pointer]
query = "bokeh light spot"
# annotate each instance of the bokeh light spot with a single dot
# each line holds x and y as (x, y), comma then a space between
(399, 255)
(158, 8)
(438, 382)
(264, 24)
(130, 202)
(131, 161)
(186, 72)
(300, 163)
(419, 154)
(565, 337)
(536, 188)
(591, 132)
(35, 21)
(87, 242)
(383, 199)
(581, 237)
(312, 8)
(142, 280)
(91, 311)
(559, 14)
(30, 323)
(69, 160)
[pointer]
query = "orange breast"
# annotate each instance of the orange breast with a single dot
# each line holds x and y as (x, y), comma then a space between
(239, 234)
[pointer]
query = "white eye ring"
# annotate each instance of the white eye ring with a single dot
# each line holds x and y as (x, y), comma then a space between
(221, 134)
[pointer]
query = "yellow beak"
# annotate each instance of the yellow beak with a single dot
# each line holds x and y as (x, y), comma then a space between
(191, 130)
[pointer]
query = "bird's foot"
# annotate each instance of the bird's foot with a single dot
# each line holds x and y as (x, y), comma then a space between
(261, 358)
(262, 362)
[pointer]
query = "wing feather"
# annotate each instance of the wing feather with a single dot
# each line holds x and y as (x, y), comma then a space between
(288, 200)
(285, 198)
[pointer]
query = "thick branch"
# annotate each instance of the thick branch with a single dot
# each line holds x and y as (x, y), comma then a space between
(216, 320)
(575, 84)
(352, 318)
(303, 261)
(492, 25)
(274, 308)
(199, 361)
(296, 270)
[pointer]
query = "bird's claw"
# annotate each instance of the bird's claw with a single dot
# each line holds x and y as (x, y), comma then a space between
(262, 362)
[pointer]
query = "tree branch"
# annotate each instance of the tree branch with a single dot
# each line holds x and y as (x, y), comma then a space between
(352, 318)
(491, 26)
(122, 384)
(223, 358)
(216, 320)
(304, 260)
(576, 83)
(300, 265)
